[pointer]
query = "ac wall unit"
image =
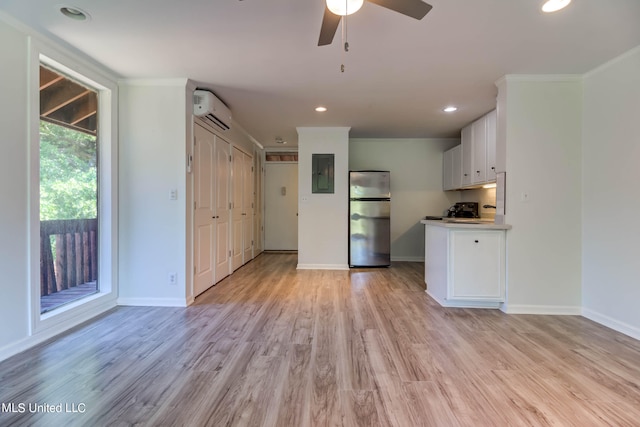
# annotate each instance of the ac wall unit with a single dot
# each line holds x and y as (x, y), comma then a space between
(207, 106)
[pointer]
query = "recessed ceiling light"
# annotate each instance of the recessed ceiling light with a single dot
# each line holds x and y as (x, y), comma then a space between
(554, 5)
(75, 13)
(450, 109)
(321, 109)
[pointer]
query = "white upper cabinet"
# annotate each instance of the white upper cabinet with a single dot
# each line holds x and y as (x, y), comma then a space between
(467, 155)
(491, 145)
(452, 168)
(479, 162)
(477, 153)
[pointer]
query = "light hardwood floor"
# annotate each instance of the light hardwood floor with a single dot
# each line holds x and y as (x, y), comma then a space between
(272, 346)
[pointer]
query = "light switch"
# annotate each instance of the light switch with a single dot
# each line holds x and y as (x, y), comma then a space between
(283, 191)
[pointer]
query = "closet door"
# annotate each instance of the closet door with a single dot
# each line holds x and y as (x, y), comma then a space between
(247, 208)
(222, 210)
(237, 218)
(204, 198)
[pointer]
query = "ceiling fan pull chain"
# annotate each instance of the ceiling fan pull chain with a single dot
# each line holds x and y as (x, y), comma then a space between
(345, 43)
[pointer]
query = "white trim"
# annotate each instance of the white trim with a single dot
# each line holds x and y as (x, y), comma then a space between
(539, 78)
(611, 62)
(465, 304)
(562, 310)
(180, 82)
(322, 267)
(155, 302)
(407, 258)
(616, 325)
(247, 134)
(78, 69)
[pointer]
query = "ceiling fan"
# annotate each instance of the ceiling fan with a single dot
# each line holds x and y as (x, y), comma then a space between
(335, 10)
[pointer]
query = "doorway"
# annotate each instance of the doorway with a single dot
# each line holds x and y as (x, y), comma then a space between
(281, 206)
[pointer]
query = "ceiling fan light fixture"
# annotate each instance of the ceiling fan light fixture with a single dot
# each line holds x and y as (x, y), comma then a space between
(344, 7)
(554, 5)
(450, 109)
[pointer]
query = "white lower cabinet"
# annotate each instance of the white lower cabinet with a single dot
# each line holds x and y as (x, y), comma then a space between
(465, 267)
(476, 265)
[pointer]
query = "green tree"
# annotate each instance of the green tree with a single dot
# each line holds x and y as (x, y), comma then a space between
(68, 173)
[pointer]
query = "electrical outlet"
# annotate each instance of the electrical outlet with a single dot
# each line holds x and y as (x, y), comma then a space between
(524, 196)
(173, 278)
(173, 194)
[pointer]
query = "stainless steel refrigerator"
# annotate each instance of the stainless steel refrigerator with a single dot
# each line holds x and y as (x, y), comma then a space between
(369, 219)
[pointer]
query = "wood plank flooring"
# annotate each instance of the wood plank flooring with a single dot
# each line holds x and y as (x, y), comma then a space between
(273, 346)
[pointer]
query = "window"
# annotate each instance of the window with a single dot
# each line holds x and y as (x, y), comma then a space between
(68, 190)
(73, 198)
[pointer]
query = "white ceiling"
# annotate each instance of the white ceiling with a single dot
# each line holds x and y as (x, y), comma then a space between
(261, 56)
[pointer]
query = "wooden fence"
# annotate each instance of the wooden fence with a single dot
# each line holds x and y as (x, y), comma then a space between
(71, 257)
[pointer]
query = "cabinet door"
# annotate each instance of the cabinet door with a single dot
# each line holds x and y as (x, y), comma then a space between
(477, 265)
(479, 162)
(467, 155)
(456, 167)
(491, 146)
(447, 170)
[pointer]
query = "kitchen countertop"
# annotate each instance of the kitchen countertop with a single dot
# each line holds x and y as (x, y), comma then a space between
(473, 223)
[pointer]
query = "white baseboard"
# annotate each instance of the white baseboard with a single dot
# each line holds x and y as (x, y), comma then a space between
(566, 310)
(322, 267)
(616, 325)
(153, 302)
(408, 258)
(464, 304)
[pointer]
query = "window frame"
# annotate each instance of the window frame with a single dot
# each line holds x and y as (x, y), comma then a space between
(91, 75)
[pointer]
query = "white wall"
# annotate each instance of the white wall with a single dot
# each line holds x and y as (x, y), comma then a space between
(543, 152)
(610, 202)
(14, 189)
(153, 132)
(416, 185)
(323, 218)
(156, 232)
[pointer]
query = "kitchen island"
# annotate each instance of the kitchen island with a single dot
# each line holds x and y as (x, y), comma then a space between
(465, 262)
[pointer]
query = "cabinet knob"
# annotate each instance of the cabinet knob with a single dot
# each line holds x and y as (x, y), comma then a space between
(476, 241)
(477, 171)
(466, 174)
(493, 168)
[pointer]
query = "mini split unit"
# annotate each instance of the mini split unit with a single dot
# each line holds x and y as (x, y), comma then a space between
(208, 107)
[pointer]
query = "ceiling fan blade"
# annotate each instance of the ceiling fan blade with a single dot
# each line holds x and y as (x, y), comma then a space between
(414, 8)
(330, 23)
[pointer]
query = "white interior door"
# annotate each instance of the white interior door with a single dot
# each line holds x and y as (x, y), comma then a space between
(247, 209)
(222, 211)
(257, 206)
(236, 210)
(204, 210)
(281, 206)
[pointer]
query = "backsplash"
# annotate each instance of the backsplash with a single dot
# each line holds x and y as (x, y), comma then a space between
(484, 196)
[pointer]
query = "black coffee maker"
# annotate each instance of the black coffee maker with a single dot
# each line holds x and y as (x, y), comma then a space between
(464, 210)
